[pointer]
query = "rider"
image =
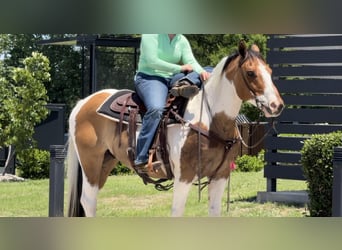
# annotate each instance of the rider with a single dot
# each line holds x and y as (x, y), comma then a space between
(161, 57)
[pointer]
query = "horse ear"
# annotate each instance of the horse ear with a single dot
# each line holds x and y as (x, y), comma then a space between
(255, 48)
(242, 48)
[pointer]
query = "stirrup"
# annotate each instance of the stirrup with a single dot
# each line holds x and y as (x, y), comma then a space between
(144, 168)
(155, 170)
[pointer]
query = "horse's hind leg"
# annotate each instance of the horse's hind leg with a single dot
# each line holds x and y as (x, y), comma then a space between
(216, 190)
(91, 171)
(89, 197)
(96, 171)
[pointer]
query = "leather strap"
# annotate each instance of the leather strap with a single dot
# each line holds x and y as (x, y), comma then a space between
(209, 134)
(122, 112)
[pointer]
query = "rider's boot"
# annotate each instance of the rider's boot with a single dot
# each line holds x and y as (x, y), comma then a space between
(184, 88)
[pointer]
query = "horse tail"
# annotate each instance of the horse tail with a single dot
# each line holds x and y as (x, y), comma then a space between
(75, 208)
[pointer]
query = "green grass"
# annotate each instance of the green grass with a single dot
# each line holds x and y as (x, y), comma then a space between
(127, 196)
(29, 198)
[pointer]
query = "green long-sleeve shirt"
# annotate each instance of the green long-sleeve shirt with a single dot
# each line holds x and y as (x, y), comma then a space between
(159, 56)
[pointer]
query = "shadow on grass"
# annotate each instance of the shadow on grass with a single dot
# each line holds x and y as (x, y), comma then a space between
(246, 199)
(253, 199)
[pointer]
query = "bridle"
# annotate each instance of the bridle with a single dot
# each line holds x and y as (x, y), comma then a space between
(259, 105)
(248, 85)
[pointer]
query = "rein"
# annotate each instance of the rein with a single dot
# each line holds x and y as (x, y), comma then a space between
(261, 139)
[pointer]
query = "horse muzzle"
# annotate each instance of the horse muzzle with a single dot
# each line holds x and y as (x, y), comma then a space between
(274, 109)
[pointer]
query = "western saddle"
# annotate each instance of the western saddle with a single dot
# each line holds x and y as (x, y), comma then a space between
(128, 108)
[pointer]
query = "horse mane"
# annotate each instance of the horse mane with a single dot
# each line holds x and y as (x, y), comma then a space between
(228, 61)
(250, 54)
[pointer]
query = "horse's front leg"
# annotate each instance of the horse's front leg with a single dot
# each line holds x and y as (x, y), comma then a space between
(180, 194)
(216, 190)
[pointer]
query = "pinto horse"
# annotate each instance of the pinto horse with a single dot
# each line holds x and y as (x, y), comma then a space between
(96, 144)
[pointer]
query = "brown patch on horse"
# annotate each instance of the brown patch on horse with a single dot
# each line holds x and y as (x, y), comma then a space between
(212, 151)
(109, 162)
(91, 131)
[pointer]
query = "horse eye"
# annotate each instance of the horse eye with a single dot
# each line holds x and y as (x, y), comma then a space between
(251, 74)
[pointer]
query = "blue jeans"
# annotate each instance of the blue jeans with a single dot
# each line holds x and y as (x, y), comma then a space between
(153, 91)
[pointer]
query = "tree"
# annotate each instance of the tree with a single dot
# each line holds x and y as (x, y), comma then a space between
(209, 49)
(23, 99)
(65, 63)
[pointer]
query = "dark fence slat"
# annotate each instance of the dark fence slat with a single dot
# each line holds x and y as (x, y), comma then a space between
(305, 56)
(282, 157)
(312, 115)
(300, 41)
(309, 86)
(306, 128)
(284, 143)
(284, 172)
(305, 70)
(314, 100)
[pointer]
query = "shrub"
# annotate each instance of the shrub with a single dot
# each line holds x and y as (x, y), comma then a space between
(317, 161)
(248, 163)
(34, 163)
(121, 170)
(251, 112)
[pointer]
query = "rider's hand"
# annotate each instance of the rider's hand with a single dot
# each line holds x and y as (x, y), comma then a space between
(186, 68)
(205, 75)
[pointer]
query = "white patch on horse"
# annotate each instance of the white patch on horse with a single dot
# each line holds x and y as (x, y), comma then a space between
(89, 197)
(216, 189)
(177, 135)
(269, 99)
(217, 85)
(180, 194)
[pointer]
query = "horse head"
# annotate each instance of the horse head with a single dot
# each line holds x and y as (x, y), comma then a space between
(252, 78)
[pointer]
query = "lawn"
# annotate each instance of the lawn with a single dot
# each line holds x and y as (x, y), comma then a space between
(127, 196)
